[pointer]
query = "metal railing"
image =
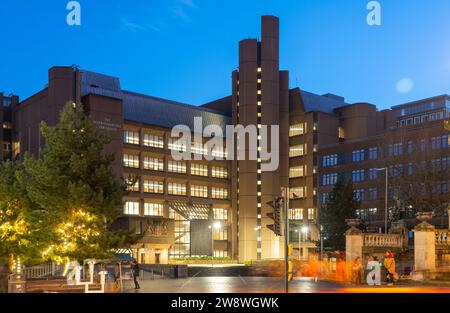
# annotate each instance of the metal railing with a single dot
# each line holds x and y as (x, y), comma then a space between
(43, 270)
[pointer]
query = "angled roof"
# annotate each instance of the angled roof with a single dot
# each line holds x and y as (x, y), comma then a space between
(326, 103)
(148, 109)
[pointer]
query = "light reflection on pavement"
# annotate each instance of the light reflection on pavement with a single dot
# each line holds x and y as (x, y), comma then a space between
(266, 285)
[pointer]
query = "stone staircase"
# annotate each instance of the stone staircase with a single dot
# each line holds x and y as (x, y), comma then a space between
(56, 285)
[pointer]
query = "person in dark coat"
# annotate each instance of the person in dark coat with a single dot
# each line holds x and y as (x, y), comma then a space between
(135, 271)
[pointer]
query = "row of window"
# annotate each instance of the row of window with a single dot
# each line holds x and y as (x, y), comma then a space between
(157, 209)
(157, 164)
(297, 214)
(155, 141)
(298, 150)
(395, 149)
(177, 189)
(363, 194)
(297, 171)
(422, 119)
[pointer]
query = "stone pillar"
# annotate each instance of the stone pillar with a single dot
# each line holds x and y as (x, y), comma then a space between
(448, 213)
(353, 241)
(424, 247)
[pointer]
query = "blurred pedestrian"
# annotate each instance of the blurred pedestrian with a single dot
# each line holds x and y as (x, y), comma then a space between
(389, 265)
(135, 271)
(356, 271)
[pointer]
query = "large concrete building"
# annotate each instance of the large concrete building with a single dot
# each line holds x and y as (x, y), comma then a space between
(219, 207)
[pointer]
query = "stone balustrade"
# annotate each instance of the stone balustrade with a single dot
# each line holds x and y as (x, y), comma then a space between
(442, 238)
(383, 240)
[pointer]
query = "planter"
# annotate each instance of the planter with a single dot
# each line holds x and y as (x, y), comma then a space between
(355, 222)
(424, 218)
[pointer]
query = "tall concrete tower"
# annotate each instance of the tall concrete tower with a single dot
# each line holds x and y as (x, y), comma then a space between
(260, 97)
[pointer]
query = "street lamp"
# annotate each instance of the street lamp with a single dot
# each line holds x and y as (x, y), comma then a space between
(216, 226)
(385, 199)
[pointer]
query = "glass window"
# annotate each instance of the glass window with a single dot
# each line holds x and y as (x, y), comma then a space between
(131, 137)
(329, 179)
(297, 129)
(153, 186)
(154, 164)
(396, 149)
(177, 189)
(373, 193)
(359, 194)
(220, 234)
(358, 175)
(219, 172)
(330, 160)
(131, 208)
(296, 214)
(219, 193)
(132, 184)
(358, 155)
(153, 141)
(199, 191)
(298, 171)
(311, 214)
(131, 160)
(373, 174)
(177, 167)
(177, 145)
(199, 169)
(296, 151)
(373, 153)
(220, 253)
(220, 214)
(297, 192)
(153, 209)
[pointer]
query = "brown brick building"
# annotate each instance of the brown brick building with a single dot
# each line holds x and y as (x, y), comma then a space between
(177, 205)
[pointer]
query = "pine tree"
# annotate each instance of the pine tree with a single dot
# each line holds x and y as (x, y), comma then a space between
(74, 183)
(341, 205)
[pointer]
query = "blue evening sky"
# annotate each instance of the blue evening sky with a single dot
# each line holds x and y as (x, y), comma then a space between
(185, 50)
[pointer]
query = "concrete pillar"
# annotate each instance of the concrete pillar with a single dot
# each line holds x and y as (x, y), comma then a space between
(424, 248)
(353, 242)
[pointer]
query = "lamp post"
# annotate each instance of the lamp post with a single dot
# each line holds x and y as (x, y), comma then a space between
(217, 226)
(385, 199)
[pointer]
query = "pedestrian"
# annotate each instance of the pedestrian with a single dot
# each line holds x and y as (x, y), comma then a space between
(389, 265)
(135, 271)
(356, 271)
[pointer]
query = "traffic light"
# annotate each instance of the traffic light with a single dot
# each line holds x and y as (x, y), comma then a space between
(277, 216)
(290, 264)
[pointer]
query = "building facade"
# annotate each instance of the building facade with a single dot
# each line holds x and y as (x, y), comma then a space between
(201, 207)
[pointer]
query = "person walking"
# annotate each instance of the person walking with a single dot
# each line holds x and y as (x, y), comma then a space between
(135, 271)
(389, 265)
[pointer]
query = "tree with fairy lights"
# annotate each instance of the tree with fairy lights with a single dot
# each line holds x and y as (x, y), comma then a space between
(74, 181)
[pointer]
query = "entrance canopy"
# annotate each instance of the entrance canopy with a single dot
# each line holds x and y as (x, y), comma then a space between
(191, 211)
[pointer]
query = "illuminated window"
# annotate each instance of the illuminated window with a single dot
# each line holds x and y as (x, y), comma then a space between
(199, 191)
(132, 184)
(198, 148)
(131, 208)
(220, 253)
(131, 160)
(220, 214)
(153, 141)
(330, 160)
(329, 179)
(199, 169)
(297, 192)
(153, 209)
(296, 214)
(311, 214)
(297, 129)
(153, 164)
(7, 125)
(341, 133)
(177, 145)
(177, 189)
(219, 193)
(153, 186)
(357, 155)
(176, 167)
(298, 171)
(131, 137)
(296, 151)
(220, 234)
(219, 172)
